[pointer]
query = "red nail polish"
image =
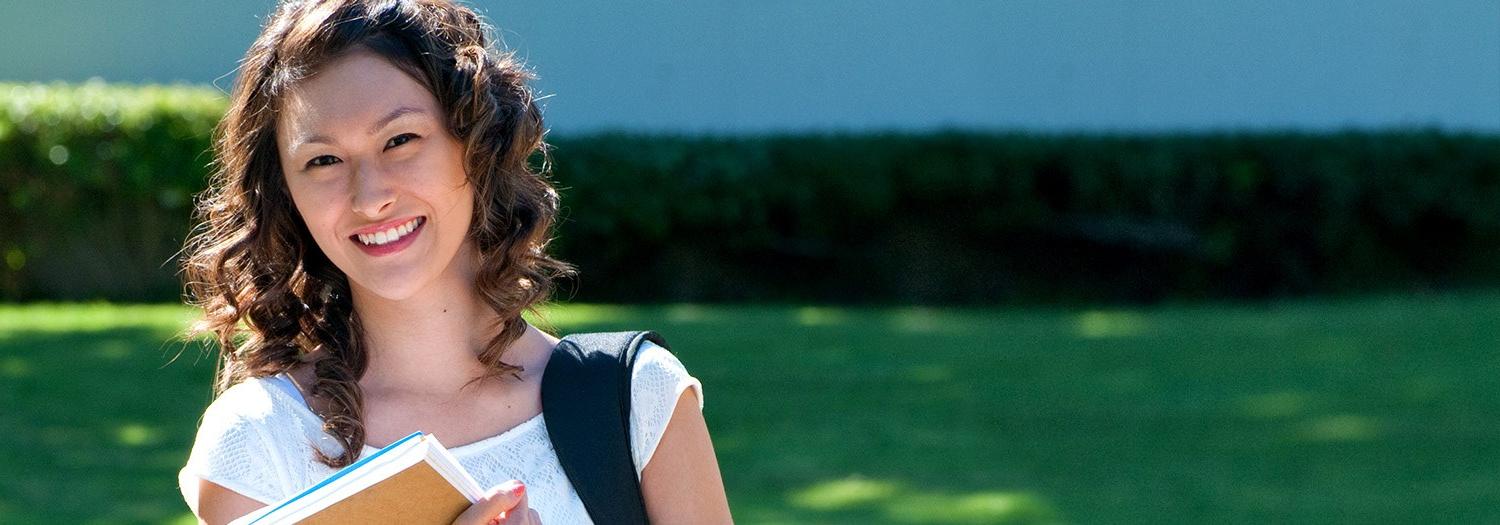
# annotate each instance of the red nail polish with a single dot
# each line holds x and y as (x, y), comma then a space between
(521, 490)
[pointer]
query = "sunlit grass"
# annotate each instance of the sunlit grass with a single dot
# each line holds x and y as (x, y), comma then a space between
(845, 494)
(1374, 410)
(136, 434)
(1096, 324)
(896, 502)
(90, 317)
(1340, 427)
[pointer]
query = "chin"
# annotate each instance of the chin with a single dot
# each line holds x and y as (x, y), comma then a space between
(402, 275)
(392, 286)
(393, 295)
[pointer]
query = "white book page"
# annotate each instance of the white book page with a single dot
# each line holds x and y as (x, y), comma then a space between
(446, 465)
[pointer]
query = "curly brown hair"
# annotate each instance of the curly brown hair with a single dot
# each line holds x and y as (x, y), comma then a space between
(270, 297)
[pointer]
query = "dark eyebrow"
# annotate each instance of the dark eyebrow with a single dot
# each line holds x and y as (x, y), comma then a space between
(381, 123)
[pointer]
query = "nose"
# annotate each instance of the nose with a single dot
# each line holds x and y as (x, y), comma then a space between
(372, 191)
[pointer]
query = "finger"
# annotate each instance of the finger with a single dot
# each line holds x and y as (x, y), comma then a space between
(503, 497)
(536, 519)
(519, 514)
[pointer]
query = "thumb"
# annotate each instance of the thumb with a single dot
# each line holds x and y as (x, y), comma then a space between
(501, 498)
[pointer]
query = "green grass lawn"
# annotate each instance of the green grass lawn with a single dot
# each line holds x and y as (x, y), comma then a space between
(1361, 411)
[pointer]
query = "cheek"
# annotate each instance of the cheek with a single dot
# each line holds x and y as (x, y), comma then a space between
(318, 212)
(452, 156)
(445, 187)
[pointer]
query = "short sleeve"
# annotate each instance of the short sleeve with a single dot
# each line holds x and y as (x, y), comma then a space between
(231, 450)
(656, 382)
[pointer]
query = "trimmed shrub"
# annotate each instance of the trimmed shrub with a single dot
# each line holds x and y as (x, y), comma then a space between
(967, 217)
(97, 179)
(96, 185)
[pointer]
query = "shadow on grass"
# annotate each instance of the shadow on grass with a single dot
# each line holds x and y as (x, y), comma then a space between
(839, 415)
(1303, 412)
(1356, 411)
(96, 424)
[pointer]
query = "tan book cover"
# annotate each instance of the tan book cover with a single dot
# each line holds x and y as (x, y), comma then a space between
(415, 495)
(414, 480)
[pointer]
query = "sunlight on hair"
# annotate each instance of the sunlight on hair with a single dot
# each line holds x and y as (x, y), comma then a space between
(1099, 324)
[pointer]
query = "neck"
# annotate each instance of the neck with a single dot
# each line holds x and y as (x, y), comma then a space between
(429, 343)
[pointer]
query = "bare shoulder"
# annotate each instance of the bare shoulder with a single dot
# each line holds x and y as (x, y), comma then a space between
(537, 359)
(681, 483)
(217, 504)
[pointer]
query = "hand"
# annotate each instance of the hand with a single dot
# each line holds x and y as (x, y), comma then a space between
(505, 505)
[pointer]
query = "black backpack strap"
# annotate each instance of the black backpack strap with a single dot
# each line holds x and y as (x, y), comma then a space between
(586, 405)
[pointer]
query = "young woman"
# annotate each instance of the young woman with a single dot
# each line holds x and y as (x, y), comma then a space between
(372, 234)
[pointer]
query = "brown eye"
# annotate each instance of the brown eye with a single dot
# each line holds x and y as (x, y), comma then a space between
(314, 162)
(400, 139)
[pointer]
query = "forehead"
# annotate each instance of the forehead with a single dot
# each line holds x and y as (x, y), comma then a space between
(346, 95)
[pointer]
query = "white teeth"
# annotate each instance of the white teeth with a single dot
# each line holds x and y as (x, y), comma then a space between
(390, 235)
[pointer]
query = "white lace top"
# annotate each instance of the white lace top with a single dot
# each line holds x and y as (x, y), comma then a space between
(256, 439)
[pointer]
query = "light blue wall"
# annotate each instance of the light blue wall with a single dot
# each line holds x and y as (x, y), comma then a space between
(751, 65)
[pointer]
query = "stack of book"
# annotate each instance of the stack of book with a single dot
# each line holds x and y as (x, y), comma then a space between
(414, 480)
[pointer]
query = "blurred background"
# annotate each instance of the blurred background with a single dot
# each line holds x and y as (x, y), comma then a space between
(956, 261)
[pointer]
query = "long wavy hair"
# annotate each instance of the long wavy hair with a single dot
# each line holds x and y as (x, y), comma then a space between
(270, 297)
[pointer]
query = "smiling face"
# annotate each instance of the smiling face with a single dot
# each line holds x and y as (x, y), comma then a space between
(375, 174)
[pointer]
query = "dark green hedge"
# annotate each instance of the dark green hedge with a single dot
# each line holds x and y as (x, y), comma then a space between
(935, 217)
(992, 218)
(96, 185)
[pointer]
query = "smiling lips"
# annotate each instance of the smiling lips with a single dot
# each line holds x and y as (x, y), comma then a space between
(389, 238)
